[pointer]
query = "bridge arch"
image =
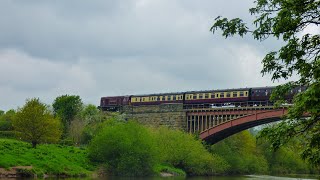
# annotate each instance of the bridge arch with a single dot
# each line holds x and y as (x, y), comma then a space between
(226, 129)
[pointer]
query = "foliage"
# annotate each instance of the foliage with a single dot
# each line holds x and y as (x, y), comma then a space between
(76, 131)
(126, 148)
(5, 126)
(7, 134)
(183, 151)
(6, 120)
(287, 20)
(45, 159)
(241, 153)
(98, 122)
(286, 160)
(83, 127)
(169, 169)
(90, 114)
(67, 107)
(35, 123)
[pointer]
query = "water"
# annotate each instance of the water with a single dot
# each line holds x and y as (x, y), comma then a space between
(247, 177)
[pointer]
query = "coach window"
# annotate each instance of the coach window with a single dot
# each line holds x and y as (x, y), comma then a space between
(212, 95)
(241, 93)
(200, 96)
(234, 94)
(206, 96)
(169, 98)
(221, 95)
(174, 98)
(228, 94)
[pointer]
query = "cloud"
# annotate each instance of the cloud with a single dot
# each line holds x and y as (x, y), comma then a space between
(23, 76)
(102, 48)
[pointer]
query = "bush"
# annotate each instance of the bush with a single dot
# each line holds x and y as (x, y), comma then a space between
(5, 125)
(241, 153)
(7, 134)
(126, 148)
(182, 150)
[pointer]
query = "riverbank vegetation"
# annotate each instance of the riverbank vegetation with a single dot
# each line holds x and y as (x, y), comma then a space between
(108, 142)
(46, 159)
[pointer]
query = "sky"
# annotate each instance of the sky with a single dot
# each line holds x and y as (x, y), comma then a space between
(101, 48)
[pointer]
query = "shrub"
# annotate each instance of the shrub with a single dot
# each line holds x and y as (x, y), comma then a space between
(5, 125)
(241, 153)
(126, 148)
(182, 150)
(7, 134)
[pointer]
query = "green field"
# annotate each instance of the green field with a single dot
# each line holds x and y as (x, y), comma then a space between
(45, 159)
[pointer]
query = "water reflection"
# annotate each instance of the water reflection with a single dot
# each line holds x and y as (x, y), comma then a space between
(248, 177)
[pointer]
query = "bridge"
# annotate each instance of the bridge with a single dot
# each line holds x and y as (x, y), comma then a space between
(215, 124)
(212, 123)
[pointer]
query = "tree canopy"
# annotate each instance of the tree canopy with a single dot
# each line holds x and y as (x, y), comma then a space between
(67, 107)
(287, 20)
(36, 124)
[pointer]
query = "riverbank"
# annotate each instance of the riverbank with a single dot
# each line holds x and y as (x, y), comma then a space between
(45, 160)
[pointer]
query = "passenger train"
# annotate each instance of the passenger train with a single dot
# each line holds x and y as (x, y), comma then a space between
(213, 98)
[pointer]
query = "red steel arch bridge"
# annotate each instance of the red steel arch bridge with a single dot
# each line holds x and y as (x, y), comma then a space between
(218, 122)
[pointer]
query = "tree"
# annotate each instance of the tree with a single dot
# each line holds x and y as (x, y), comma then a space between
(67, 107)
(90, 114)
(286, 20)
(36, 124)
(6, 120)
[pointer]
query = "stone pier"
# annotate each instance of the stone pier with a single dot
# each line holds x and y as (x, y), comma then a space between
(170, 115)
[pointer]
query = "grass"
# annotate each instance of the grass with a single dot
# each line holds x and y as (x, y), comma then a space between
(169, 169)
(45, 159)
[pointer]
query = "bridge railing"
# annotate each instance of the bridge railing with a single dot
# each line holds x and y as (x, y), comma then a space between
(233, 105)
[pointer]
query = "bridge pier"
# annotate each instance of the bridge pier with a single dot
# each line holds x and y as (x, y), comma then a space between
(170, 115)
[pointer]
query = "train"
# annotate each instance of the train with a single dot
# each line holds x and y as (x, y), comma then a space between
(207, 98)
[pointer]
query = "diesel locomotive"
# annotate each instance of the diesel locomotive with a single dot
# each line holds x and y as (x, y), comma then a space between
(209, 98)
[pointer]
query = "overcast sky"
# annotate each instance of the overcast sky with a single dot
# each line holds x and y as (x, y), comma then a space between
(103, 48)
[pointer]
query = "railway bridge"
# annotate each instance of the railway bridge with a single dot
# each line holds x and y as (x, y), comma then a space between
(212, 123)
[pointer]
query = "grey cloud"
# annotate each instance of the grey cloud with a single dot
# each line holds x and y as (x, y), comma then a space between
(71, 29)
(99, 48)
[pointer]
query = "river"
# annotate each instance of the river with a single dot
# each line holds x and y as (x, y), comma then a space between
(247, 177)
